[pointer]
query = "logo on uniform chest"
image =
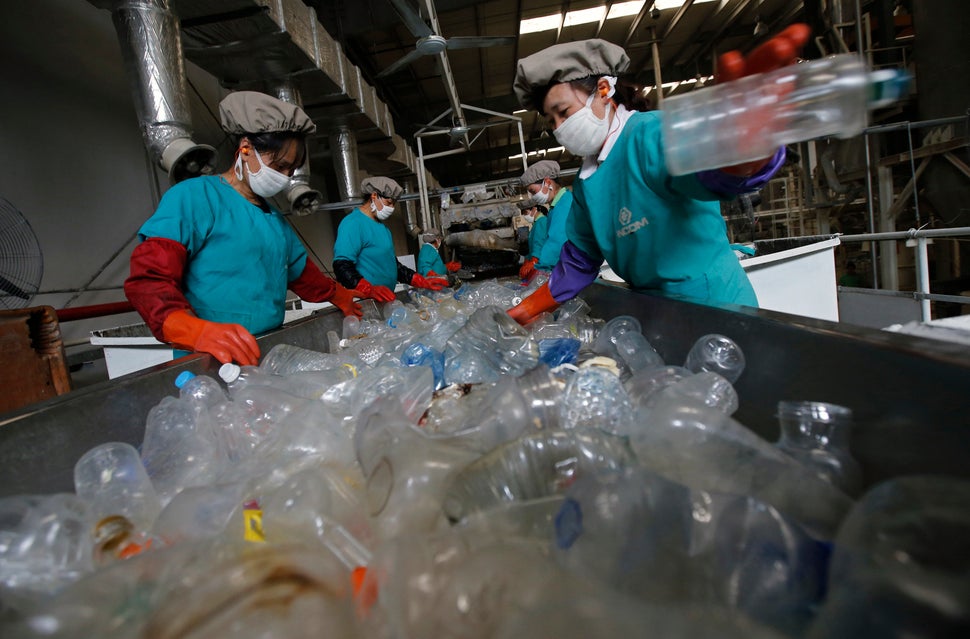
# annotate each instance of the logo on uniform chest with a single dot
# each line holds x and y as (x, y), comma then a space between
(629, 226)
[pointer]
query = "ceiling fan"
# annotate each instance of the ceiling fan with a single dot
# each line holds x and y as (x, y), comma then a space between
(430, 41)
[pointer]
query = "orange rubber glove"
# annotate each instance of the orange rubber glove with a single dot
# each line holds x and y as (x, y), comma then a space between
(528, 268)
(377, 293)
(453, 266)
(343, 299)
(226, 342)
(781, 50)
(533, 306)
(432, 283)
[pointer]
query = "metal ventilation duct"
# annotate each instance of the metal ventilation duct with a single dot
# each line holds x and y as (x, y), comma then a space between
(151, 49)
(344, 146)
(254, 44)
(298, 193)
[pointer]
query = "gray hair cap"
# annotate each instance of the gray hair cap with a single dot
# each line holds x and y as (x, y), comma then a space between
(255, 112)
(383, 186)
(526, 203)
(539, 171)
(564, 63)
(431, 236)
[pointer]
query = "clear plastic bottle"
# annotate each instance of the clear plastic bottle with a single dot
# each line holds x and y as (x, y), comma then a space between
(717, 354)
(113, 481)
(748, 119)
(817, 434)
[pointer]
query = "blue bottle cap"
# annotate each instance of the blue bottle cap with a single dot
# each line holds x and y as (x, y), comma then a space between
(183, 378)
(569, 523)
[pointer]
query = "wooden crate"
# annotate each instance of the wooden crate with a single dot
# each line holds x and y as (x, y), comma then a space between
(33, 365)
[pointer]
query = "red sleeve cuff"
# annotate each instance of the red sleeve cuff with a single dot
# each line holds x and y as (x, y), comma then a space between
(313, 285)
(154, 285)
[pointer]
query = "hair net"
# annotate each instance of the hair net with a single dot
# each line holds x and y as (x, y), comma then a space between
(564, 63)
(254, 112)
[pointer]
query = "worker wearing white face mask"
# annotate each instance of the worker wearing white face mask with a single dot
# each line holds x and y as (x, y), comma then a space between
(540, 180)
(216, 257)
(363, 255)
(658, 232)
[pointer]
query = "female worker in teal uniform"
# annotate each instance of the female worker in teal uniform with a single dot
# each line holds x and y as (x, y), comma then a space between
(216, 257)
(537, 236)
(658, 232)
(540, 180)
(430, 263)
(363, 255)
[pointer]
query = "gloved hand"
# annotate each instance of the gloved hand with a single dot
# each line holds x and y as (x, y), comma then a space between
(528, 267)
(433, 283)
(377, 293)
(343, 299)
(533, 306)
(226, 342)
(453, 266)
(781, 50)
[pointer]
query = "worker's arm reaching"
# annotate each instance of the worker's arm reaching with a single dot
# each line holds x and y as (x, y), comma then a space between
(154, 288)
(350, 278)
(574, 271)
(314, 286)
(407, 276)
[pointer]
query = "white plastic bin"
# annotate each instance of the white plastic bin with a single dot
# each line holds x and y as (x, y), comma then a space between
(800, 280)
(130, 348)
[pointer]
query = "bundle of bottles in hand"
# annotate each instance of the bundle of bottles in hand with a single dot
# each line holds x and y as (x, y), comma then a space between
(444, 472)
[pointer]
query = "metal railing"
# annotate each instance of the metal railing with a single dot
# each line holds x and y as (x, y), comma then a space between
(920, 238)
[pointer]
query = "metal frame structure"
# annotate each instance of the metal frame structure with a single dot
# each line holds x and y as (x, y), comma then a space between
(424, 132)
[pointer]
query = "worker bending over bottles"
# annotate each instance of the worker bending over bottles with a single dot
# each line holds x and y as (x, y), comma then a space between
(658, 232)
(363, 255)
(540, 180)
(216, 257)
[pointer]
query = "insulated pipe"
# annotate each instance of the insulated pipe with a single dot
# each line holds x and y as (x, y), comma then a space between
(343, 144)
(151, 48)
(411, 218)
(298, 193)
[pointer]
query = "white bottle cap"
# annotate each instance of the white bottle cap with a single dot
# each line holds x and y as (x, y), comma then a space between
(229, 372)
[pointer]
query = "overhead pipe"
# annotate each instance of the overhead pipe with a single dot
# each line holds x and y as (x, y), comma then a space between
(411, 215)
(151, 48)
(298, 193)
(343, 144)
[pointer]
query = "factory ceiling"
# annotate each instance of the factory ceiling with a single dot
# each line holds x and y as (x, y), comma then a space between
(377, 34)
(389, 69)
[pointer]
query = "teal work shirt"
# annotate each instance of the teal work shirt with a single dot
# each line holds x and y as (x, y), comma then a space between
(368, 244)
(240, 257)
(538, 234)
(430, 260)
(656, 231)
(556, 237)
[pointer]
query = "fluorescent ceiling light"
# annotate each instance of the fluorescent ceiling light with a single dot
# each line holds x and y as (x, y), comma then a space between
(624, 9)
(539, 153)
(545, 23)
(584, 16)
(520, 111)
(662, 5)
(594, 14)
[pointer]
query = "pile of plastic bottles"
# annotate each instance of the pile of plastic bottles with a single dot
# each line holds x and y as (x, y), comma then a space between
(444, 472)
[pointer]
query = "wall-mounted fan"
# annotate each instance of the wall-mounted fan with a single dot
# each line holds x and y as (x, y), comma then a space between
(430, 42)
(21, 261)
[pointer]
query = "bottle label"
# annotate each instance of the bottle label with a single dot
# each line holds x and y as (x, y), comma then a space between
(253, 523)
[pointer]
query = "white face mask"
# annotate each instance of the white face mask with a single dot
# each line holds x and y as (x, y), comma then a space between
(542, 195)
(583, 133)
(382, 213)
(266, 182)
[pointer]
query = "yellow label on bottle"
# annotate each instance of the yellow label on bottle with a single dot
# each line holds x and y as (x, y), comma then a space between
(253, 525)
